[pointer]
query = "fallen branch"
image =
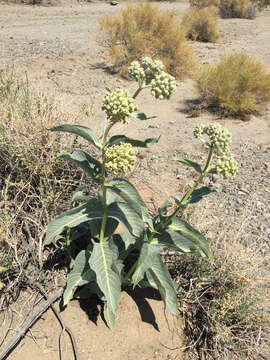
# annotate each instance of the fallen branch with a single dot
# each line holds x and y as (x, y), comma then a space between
(28, 322)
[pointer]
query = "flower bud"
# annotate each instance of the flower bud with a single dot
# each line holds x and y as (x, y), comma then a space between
(135, 71)
(162, 86)
(120, 159)
(118, 106)
(219, 138)
(227, 166)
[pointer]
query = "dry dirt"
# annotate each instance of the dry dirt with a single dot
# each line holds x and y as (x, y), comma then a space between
(59, 49)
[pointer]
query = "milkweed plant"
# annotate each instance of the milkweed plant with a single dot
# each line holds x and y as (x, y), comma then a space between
(106, 261)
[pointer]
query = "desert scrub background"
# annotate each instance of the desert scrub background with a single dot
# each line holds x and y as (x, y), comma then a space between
(144, 30)
(225, 302)
(232, 8)
(33, 183)
(201, 24)
(236, 85)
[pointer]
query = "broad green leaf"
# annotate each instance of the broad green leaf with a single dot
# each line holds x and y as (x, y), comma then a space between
(161, 276)
(200, 193)
(117, 139)
(193, 164)
(177, 241)
(125, 243)
(109, 316)
(81, 274)
(182, 227)
(129, 193)
(111, 226)
(109, 281)
(85, 161)
(125, 214)
(80, 130)
(93, 210)
(145, 260)
(90, 211)
(139, 115)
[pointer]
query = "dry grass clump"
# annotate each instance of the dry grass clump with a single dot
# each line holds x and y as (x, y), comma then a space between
(230, 8)
(144, 30)
(34, 184)
(202, 24)
(236, 86)
(225, 303)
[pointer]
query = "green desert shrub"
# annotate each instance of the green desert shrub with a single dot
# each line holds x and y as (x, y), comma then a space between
(202, 24)
(237, 85)
(144, 30)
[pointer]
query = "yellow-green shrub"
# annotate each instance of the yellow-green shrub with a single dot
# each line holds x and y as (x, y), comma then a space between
(144, 30)
(237, 85)
(230, 8)
(202, 24)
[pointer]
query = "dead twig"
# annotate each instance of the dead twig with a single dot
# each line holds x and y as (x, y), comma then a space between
(28, 322)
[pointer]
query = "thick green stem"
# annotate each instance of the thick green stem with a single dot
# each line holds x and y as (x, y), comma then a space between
(131, 270)
(137, 92)
(103, 185)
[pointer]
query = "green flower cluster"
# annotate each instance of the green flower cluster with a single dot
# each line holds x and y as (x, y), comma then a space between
(219, 138)
(162, 86)
(227, 166)
(118, 106)
(136, 72)
(155, 66)
(120, 159)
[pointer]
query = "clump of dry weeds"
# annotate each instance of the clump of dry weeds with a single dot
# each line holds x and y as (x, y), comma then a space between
(236, 86)
(34, 183)
(225, 302)
(144, 30)
(201, 24)
(230, 8)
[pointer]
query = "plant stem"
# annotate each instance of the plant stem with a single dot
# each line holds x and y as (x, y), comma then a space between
(186, 197)
(131, 270)
(137, 92)
(103, 185)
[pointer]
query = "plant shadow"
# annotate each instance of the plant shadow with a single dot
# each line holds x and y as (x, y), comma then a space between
(93, 306)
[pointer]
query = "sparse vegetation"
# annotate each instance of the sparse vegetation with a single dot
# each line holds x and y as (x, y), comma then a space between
(236, 86)
(144, 30)
(202, 24)
(225, 301)
(230, 8)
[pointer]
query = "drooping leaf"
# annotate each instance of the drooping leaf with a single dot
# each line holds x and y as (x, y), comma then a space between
(162, 278)
(109, 316)
(79, 130)
(190, 163)
(177, 241)
(89, 211)
(184, 228)
(117, 139)
(93, 210)
(125, 243)
(147, 254)
(200, 193)
(81, 274)
(139, 115)
(86, 162)
(129, 193)
(125, 214)
(109, 281)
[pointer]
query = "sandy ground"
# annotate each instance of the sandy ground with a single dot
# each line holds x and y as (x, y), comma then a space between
(59, 48)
